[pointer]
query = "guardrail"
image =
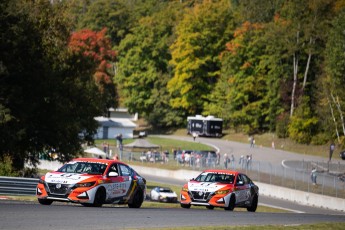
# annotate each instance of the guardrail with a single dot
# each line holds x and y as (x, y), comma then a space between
(18, 186)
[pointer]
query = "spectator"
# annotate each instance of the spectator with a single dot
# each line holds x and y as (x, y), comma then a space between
(249, 161)
(232, 160)
(187, 158)
(313, 176)
(226, 160)
(252, 142)
(194, 135)
(242, 161)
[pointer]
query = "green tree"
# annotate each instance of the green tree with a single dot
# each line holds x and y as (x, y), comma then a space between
(48, 96)
(6, 168)
(332, 96)
(143, 68)
(201, 36)
(114, 15)
(243, 81)
(256, 11)
(303, 123)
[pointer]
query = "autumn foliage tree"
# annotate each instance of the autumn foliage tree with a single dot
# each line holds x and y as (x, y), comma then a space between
(95, 48)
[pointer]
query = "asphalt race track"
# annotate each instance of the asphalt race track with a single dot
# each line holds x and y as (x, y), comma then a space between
(31, 215)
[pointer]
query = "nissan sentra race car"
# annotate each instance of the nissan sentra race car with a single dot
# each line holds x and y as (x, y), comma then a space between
(220, 188)
(93, 182)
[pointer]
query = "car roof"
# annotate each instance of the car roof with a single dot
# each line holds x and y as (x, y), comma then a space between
(222, 171)
(98, 160)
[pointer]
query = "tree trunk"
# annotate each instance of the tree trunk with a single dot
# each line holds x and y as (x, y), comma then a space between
(334, 120)
(308, 64)
(336, 102)
(295, 67)
(295, 73)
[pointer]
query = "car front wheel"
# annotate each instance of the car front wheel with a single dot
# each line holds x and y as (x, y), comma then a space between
(137, 200)
(99, 198)
(185, 205)
(45, 201)
(254, 204)
(231, 205)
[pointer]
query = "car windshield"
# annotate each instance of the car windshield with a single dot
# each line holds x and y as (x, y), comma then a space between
(83, 167)
(165, 190)
(216, 177)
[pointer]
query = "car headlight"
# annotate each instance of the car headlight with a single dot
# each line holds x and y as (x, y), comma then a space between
(222, 192)
(87, 184)
(185, 189)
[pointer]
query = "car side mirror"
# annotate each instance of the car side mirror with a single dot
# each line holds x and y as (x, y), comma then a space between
(240, 183)
(192, 179)
(113, 174)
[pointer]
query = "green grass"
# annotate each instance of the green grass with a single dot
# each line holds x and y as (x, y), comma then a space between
(164, 143)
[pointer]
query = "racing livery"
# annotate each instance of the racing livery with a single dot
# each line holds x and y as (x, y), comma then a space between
(93, 182)
(220, 188)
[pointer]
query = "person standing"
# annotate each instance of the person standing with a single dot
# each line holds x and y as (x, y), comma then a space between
(232, 160)
(242, 162)
(313, 176)
(194, 135)
(226, 160)
(252, 142)
(331, 150)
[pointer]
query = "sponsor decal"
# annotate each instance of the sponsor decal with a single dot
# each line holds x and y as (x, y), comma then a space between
(204, 187)
(65, 178)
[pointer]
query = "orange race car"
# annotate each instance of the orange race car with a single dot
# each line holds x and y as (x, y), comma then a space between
(93, 182)
(220, 188)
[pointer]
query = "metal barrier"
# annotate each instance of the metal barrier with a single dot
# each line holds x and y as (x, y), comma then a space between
(18, 186)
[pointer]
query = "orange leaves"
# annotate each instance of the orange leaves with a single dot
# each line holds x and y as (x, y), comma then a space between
(240, 34)
(246, 27)
(232, 46)
(97, 47)
(246, 65)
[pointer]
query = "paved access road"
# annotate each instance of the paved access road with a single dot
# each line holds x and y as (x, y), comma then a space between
(31, 215)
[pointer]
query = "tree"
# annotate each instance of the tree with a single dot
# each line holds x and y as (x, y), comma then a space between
(96, 49)
(201, 36)
(333, 96)
(48, 96)
(305, 23)
(96, 15)
(143, 68)
(303, 123)
(243, 81)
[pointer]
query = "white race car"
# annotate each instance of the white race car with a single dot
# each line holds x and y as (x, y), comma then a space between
(162, 194)
(93, 182)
